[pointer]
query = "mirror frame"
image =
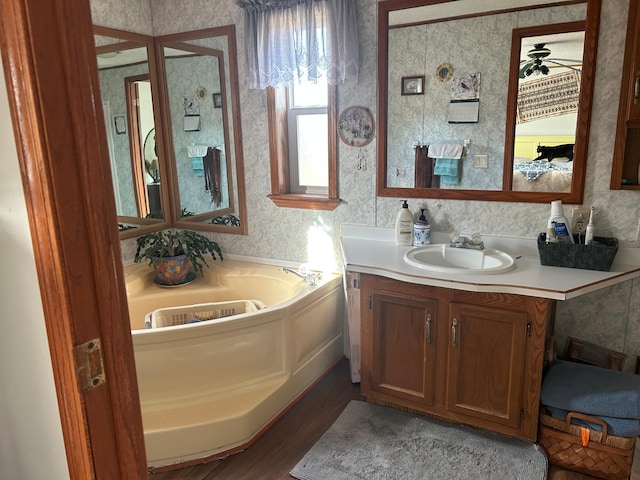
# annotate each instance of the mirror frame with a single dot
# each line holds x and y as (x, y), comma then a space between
(234, 97)
(130, 39)
(592, 23)
(582, 134)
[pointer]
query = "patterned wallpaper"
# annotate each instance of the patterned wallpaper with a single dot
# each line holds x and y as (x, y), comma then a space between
(610, 317)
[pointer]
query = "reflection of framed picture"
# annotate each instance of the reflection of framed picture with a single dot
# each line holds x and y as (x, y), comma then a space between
(217, 100)
(413, 85)
(119, 124)
(191, 106)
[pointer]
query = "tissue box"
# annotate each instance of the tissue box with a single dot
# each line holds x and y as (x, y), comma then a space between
(589, 257)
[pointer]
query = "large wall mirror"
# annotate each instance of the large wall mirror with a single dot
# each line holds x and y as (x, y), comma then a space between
(511, 90)
(128, 91)
(199, 88)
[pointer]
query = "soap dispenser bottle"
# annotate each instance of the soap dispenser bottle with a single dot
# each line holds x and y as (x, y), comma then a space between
(557, 226)
(421, 231)
(404, 225)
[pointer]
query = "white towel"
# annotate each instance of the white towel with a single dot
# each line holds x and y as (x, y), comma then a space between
(445, 150)
(197, 150)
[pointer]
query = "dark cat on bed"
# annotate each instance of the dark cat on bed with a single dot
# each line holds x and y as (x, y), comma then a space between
(559, 151)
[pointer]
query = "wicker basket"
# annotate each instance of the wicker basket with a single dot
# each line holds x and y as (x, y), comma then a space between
(588, 257)
(604, 456)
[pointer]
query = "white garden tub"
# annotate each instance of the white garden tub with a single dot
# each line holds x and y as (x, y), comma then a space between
(211, 387)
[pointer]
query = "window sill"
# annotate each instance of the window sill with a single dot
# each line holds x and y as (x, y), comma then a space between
(310, 202)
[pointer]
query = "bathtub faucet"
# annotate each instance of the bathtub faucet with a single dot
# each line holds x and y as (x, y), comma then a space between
(304, 273)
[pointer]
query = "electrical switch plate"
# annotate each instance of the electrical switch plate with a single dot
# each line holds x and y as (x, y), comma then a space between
(481, 161)
(580, 220)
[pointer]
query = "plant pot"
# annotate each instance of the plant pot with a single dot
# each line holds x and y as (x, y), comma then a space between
(171, 270)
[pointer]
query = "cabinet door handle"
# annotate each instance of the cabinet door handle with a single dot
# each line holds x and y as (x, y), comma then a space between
(428, 324)
(636, 89)
(453, 333)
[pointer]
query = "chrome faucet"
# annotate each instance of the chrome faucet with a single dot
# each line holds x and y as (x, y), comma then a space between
(458, 241)
(310, 278)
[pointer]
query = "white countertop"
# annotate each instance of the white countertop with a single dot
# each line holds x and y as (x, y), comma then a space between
(373, 250)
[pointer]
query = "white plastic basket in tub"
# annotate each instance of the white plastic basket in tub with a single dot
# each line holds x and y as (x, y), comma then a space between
(171, 316)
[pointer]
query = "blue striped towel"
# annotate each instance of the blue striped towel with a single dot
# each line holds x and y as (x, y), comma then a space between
(448, 170)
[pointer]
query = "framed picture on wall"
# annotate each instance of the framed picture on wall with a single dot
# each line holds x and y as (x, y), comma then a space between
(413, 85)
(217, 100)
(119, 123)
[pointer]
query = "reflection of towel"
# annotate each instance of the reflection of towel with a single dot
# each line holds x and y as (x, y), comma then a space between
(197, 163)
(212, 175)
(197, 166)
(447, 168)
(445, 150)
(424, 176)
(197, 150)
(592, 390)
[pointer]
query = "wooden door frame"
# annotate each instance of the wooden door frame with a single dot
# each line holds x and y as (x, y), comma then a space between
(51, 75)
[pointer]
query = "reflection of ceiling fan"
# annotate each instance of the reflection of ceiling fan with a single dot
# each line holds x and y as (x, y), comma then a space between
(538, 54)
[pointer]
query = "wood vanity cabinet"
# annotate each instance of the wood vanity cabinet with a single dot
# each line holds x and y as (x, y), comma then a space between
(469, 357)
(626, 153)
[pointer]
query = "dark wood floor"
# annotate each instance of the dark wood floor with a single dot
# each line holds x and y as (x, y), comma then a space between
(283, 445)
(274, 454)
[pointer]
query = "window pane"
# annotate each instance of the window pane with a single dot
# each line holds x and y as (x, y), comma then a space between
(309, 94)
(313, 150)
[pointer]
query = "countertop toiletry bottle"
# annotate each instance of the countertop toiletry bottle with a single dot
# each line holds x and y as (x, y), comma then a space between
(421, 231)
(588, 237)
(558, 223)
(404, 225)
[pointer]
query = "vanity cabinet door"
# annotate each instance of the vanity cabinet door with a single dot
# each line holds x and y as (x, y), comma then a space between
(402, 337)
(486, 363)
(469, 357)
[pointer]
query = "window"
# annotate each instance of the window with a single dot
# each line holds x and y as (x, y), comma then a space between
(303, 146)
(308, 138)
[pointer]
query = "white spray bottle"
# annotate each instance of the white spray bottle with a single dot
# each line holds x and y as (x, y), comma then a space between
(557, 225)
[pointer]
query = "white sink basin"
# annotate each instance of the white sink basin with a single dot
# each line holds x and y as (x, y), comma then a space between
(443, 258)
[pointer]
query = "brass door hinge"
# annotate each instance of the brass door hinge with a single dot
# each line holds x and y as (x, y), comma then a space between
(89, 366)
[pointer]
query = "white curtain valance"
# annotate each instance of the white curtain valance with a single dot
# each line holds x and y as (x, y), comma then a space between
(288, 40)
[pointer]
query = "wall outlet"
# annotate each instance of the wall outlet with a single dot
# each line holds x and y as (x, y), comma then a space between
(580, 220)
(481, 161)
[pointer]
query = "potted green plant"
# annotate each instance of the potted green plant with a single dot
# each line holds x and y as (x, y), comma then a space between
(171, 252)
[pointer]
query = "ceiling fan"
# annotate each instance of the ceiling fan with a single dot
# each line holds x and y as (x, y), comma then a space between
(538, 54)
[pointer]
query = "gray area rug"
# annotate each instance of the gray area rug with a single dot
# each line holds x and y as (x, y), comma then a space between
(368, 442)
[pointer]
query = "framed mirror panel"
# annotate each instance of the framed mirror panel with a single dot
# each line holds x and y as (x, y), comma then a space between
(470, 60)
(200, 104)
(128, 84)
(540, 140)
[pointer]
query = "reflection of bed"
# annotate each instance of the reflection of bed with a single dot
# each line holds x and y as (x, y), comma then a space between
(541, 175)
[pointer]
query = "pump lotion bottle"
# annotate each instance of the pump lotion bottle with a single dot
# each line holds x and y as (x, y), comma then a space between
(421, 231)
(404, 225)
